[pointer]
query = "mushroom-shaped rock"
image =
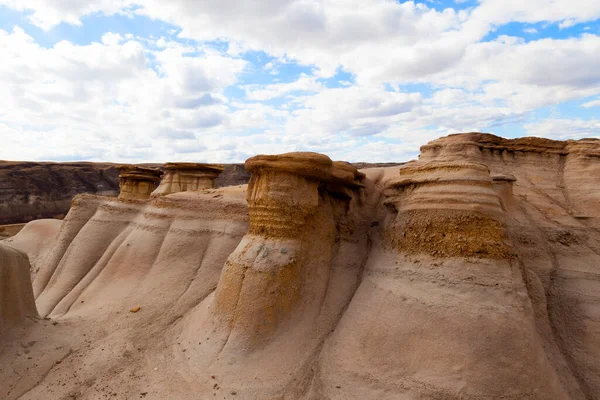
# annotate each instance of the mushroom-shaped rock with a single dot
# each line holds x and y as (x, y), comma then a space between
(184, 176)
(137, 183)
(277, 275)
(446, 208)
(284, 189)
(16, 294)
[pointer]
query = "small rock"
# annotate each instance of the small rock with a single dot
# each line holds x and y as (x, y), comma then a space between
(135, 309)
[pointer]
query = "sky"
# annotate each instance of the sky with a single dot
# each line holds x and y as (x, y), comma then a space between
(222, 80)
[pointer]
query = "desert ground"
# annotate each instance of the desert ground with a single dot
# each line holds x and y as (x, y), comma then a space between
(472, 272)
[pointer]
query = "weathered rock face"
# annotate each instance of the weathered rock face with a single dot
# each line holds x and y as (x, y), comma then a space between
(483, 275)
(16, 297)
(30, 190)
(183, 177)
(137, 183)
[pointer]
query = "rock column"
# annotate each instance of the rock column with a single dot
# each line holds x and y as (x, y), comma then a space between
(275, 271)
(182, 177)
(446, 208)
(137, 183)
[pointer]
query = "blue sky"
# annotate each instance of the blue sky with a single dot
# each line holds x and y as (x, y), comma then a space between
(145, 80)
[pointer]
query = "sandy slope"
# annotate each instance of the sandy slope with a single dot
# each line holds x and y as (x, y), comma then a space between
(440, 279)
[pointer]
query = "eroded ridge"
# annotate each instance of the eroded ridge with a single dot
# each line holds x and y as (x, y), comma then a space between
(137, 183)
(16, 295)
(449, 208)
(184, 176)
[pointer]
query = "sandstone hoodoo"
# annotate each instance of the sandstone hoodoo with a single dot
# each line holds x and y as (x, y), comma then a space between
(446, 208)
(298, 204)
(183, 176)
(137, 183)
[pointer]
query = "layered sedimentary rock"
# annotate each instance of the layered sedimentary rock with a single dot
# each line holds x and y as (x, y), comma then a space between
(471, 309)
(183, 177)
(16, 296)
(137, 183)
(446, 208)
(296, 203)
(169, 239)
(31, 190)
(285, 286)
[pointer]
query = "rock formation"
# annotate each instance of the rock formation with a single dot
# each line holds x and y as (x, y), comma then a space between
(137, 183)
(30, 190)
(298, 205)
(35, 239)
(16, 296)
(469, 273)
(183, 177)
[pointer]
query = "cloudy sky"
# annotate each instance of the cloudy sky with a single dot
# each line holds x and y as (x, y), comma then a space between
(222, 80)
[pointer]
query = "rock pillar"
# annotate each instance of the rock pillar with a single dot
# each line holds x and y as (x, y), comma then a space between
(137, 183)
(182, 177)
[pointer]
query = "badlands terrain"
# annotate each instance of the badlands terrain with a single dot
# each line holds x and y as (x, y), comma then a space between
(470, 273)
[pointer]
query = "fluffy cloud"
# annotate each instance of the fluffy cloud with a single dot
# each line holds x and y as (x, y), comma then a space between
(132, 98)
(108, 98)
(49, 13)
(565, 128)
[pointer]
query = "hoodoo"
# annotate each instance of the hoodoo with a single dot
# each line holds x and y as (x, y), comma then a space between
(288, 281)
(183, 177)
(137, 183)
(295, 203)
(446, 208)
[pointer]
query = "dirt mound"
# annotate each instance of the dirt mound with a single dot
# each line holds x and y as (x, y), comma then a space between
(470, 273)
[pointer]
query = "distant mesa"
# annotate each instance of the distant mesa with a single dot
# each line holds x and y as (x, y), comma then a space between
(137, 183)
(184, 176)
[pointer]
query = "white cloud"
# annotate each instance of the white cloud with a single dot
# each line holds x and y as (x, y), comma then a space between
(565, 128)
(155, 98)
(591, 103)
(107, 99)
(304, 83)
(48, 13)
(567, 23)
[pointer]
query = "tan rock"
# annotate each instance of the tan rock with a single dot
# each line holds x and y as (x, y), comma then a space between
(137, 183)
(182, 177)
(16, 295)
